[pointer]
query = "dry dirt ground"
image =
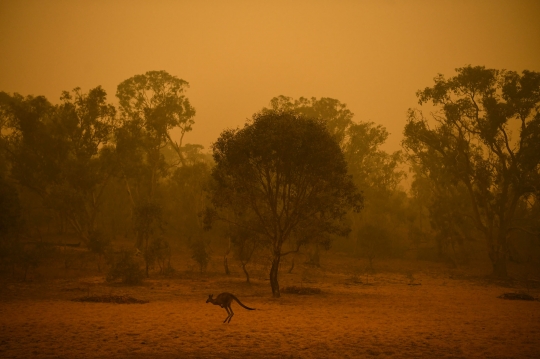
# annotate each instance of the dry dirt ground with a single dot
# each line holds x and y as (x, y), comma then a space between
(444, 316)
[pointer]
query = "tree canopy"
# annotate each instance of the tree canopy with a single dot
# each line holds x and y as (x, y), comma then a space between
(151, 106)
(283, 171)
(60, 152)
(485, 136)
(360, 141)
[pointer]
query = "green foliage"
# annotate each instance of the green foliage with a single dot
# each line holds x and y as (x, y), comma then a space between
(99, 244)
(375, 172)
(286, 168)
(280, 172)
(246, 244)
(336, 115)
(151, 106)
(373, 242)
(10, 223)
(126, 267)
(470, 150)
(148, 221)
(372, 168)
(157, 100)
(188, 184)
(10, 210)
(60, 152)
(159, 251)
(30, 257)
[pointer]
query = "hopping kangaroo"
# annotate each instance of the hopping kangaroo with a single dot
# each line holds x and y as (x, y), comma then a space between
(224, 300)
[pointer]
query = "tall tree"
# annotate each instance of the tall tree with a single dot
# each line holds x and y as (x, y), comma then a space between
(336, 115)
(286, 172)
(152, 105)
(188, 183)
(486, 137)
(372, 168)
(61, 152)
(447, 203)
(375, 172)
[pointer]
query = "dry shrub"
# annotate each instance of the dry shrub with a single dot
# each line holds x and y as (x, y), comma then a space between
(516, 296)
(126, 267)
(301, 290)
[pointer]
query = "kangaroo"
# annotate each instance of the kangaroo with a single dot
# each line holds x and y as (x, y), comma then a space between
(224, 300)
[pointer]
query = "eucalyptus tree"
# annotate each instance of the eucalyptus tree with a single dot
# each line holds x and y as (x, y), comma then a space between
(152, 106)
(376, 172)
(446, 203)
(372, 168)
(62, 152)
(246, 244)
(484, 136)
(281, 172)
(337, 117)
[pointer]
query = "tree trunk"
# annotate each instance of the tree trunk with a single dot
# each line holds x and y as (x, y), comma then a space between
(274, 275)
(245, 271)
(314, 257)
(292, 267)
(146, 254)
(499, 268)
(226, 265)
(225, 261)
(498, 253)
(498, 261)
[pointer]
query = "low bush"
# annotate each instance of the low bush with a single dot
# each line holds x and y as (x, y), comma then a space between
(126, 267)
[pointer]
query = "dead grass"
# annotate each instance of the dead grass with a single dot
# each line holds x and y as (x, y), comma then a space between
(448, 316)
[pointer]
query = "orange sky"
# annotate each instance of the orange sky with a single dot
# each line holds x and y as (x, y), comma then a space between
(237, 55)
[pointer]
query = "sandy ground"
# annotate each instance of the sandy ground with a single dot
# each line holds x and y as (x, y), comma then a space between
(387, 318)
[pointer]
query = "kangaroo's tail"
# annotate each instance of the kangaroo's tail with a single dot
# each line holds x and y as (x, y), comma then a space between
(239, 302)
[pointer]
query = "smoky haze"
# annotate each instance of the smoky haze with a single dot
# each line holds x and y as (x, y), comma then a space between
(237, 55)
(269, 179)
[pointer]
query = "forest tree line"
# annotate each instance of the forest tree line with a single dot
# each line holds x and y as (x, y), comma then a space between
(105, 175)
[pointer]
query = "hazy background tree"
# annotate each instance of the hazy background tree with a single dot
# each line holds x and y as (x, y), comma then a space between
(375, 172)
(200, 252)
(79, 168)
(286, 170)
(445, 224)
(485, 137)
(185, 189)
(152, 105)
(61, 153)
(336, 115)
(246, 245)
(373, 242)
(10, 224)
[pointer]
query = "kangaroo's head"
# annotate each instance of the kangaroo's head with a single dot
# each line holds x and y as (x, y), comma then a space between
(210, 299)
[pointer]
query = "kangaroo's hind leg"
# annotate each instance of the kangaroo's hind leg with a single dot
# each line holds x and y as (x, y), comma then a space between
(230, 315)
